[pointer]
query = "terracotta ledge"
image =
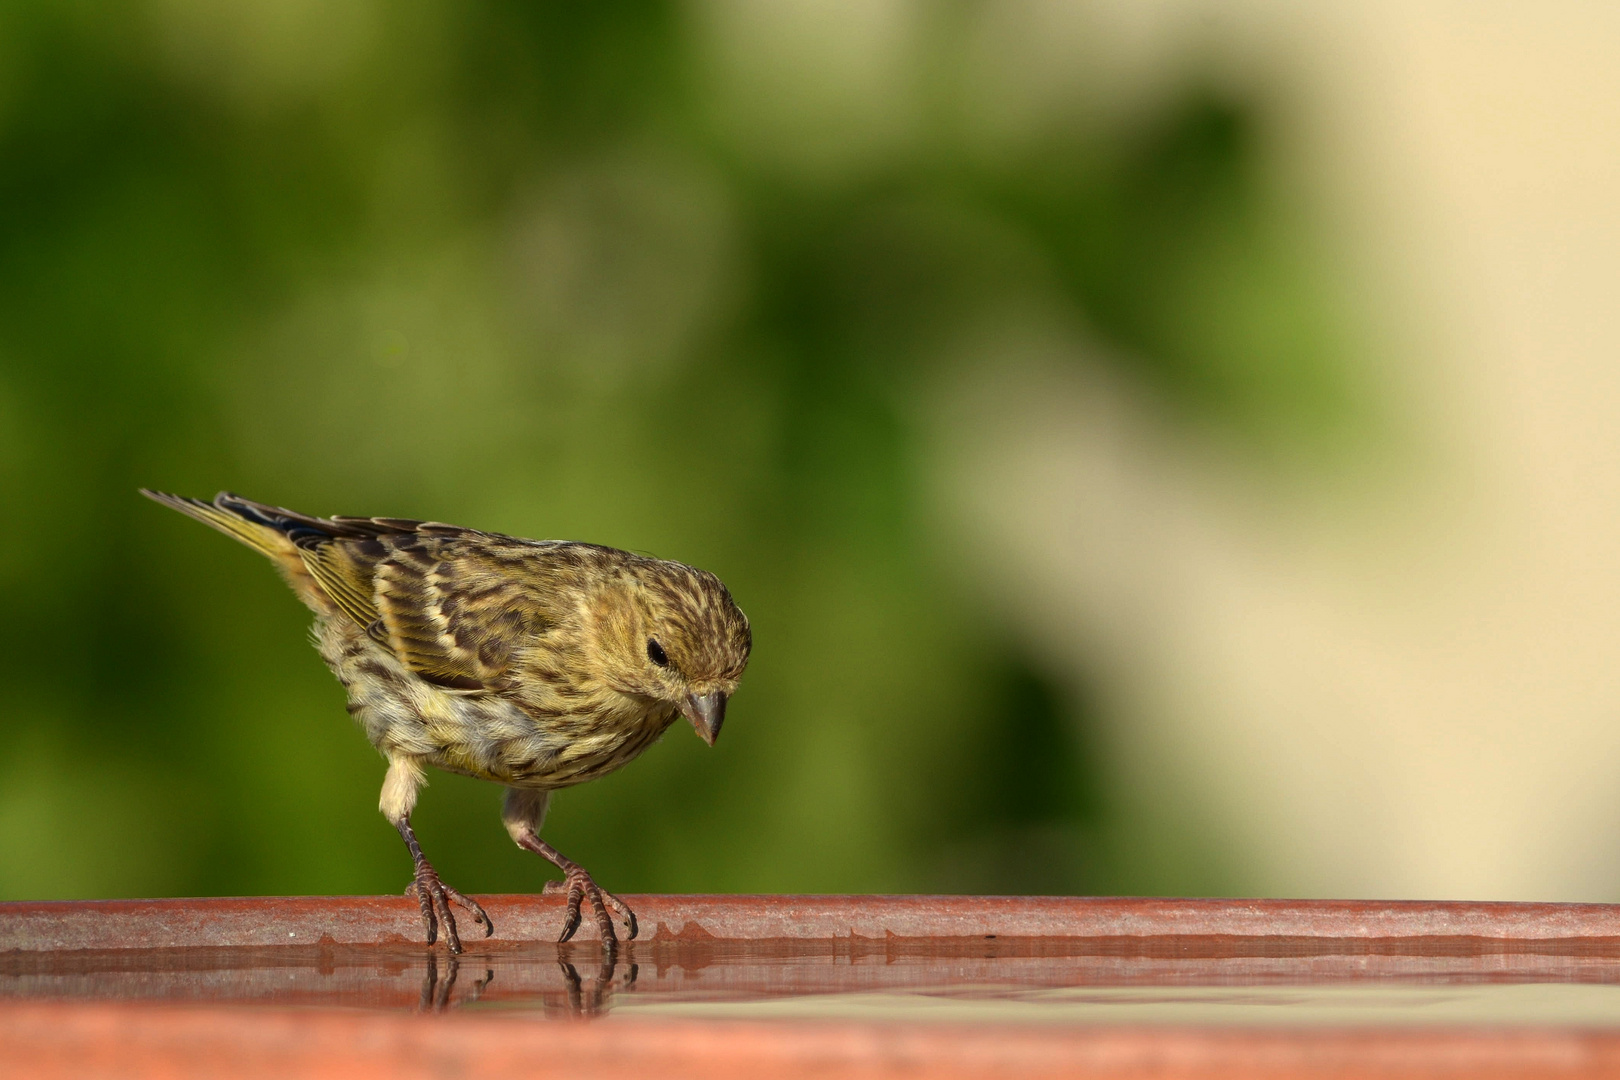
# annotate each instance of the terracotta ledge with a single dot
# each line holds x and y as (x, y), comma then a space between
(345, 987)
(135, 1042)
(380, 920)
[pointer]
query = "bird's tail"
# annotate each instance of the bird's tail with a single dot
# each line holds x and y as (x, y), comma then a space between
(232, 516)
(269, 530)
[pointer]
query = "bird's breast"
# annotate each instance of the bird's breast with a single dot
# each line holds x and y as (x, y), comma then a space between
(488, 736)
(596, 746)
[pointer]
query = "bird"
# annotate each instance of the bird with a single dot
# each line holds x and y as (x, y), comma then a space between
(536, 664)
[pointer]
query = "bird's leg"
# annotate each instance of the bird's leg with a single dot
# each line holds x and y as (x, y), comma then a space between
(432, 895)
(581, 887)
(435, 897)
(525, 809)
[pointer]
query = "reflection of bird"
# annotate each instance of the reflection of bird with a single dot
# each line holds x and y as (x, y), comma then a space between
(536, 664)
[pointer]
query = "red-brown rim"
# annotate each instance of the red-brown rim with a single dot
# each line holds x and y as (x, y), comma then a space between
(362, 920)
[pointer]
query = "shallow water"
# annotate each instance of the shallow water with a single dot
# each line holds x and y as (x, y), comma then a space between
(1179, 980)
(1528, 1004)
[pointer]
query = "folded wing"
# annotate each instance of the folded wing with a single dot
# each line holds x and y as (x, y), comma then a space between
(452, 604)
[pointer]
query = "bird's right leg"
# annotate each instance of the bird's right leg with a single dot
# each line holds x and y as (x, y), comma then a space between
(522, 813)
(399, 790)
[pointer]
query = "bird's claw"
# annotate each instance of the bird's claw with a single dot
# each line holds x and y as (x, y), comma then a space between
(580, 887)
(435, 897)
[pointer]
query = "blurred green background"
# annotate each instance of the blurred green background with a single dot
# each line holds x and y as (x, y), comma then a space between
(673, 277)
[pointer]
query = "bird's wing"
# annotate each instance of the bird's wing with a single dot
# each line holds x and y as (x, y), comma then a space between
(455, 605)
(344, 571)
(458, 608)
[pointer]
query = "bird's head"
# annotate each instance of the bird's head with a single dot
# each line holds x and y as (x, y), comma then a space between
(672, 633)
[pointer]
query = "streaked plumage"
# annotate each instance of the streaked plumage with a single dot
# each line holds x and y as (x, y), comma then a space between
(535, 664)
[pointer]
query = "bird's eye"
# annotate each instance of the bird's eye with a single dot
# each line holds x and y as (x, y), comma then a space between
(655, 653)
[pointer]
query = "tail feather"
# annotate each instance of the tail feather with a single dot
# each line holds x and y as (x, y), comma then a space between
(269, 530)
(327, 561)
(254, 530)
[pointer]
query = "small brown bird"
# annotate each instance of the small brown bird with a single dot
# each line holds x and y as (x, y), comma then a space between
(537, 664)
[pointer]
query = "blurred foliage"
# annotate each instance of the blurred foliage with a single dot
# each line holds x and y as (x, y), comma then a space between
(595, 271)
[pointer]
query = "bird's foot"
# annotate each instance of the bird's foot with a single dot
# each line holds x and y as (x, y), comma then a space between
(435, 897)
(579, 887)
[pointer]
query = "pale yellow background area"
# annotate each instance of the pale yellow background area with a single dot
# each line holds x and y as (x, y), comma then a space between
(1402, 679)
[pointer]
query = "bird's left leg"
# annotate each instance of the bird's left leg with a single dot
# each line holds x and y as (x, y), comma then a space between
(524, 810)
(432, 895)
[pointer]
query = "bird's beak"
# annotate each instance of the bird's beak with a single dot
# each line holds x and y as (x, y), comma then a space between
(707, 712)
